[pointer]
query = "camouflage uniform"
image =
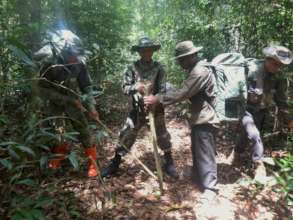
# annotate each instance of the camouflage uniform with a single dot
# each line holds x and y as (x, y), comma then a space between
(263, 89)
(60, 87)
(152, 75)
(140, 72)
(63, 78)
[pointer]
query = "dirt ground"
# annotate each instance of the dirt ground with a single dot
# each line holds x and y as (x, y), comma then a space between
(134, 194)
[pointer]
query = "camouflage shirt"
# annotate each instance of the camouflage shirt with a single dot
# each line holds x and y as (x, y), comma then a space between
(199, 88)
(140, 72)
(264, 87)
(62, 84)
(152, 72)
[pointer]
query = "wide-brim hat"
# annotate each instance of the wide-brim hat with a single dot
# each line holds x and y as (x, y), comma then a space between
(279, 53)
(145, 42)
(185, 48)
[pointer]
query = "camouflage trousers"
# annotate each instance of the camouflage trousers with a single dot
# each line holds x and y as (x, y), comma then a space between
(77, 119)
(134, 122)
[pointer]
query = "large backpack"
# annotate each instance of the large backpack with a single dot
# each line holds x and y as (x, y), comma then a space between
(230, 71)
(56, 46)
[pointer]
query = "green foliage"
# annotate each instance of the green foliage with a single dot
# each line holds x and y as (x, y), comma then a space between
(219, 26)
(284, 177)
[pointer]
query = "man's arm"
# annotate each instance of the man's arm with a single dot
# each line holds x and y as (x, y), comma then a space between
(88, 100)
(190, 87)
(53, 92)
(196, 81)
(85, 85)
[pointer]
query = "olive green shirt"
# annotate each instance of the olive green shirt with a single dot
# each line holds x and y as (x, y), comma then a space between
(199, 88)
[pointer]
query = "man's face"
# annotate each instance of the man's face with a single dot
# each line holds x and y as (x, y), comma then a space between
(272, 65)
(185, 62)
(146, 54)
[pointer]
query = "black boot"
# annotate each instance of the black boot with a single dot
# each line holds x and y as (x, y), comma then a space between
(169, 166)
(112, 168)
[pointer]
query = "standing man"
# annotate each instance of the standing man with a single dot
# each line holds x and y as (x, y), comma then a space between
(265, 84)
(143, 76)
(199, 88)
(65, 86)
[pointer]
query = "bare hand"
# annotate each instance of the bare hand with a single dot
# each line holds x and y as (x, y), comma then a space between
(140, 88)
(151, 100)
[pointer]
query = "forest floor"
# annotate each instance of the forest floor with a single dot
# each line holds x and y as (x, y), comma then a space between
(134, 194)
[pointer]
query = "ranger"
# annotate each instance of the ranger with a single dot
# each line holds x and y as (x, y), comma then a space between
(199, 88)
(265, 85)
(144, 74)
(65, 85)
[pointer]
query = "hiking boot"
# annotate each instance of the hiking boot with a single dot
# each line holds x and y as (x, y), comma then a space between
(112, 168)
(260, 173)
(169, 166)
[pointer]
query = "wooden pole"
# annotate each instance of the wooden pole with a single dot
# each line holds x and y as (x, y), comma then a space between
(156, 152)
(155, 140)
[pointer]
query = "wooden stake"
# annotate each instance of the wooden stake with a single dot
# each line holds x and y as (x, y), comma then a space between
(156, 152)
(151, 116)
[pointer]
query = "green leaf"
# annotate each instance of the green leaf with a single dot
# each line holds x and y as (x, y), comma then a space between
(26, 149)
(28, 182)
(6, 163)
(44, 201)
(45, 147)
(37, 214)
(21, 55)
(43, 161)
(13, 154)
(73, 160)
(3, 119)
(17, 216)
(8, 143)
(71, 135)
(27, 213)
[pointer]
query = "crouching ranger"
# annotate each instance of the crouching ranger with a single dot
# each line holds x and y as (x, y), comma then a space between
(265, 84)
(65, 85)
(143, 76)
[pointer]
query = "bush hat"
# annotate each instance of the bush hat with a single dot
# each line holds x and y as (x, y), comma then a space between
(279, 53)
(145, 42)
(185, 48)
